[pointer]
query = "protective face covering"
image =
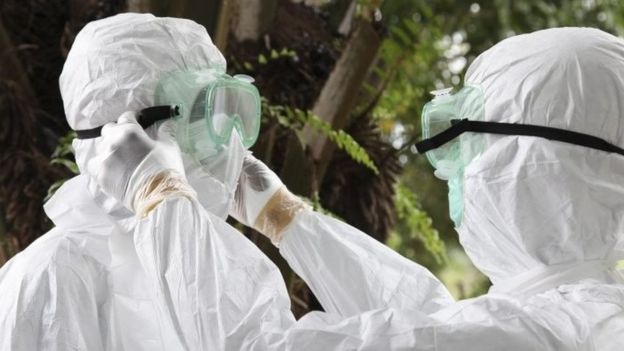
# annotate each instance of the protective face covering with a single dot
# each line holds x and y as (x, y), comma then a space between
(219, 119)
(215, 177)
(212, 105)
(451, 157)
(452, 127)
(439, 116)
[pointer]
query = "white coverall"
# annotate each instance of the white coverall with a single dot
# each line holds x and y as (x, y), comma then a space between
(543, 220)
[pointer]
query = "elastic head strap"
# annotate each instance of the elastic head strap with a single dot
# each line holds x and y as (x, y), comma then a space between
(464, 125)
(145, 118)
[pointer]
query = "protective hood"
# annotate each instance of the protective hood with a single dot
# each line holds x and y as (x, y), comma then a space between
(115, 64)
(531, 203)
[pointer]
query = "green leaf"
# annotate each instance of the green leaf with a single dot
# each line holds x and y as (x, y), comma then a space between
(413, 28)
(417, 223)
(53, 188)
(343, 141)
(402, 35)
(69, 164)
(296, 119)
(62, 156)
(287, 52)
(262, 59)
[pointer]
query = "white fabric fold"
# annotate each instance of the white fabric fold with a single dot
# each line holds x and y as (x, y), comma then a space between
(541, 279)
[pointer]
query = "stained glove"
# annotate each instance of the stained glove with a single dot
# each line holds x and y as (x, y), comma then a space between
(136, 170)
(263, 202)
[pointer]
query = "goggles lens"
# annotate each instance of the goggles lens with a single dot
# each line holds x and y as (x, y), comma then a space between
(437, 116)
(235, 106)
(212, 104)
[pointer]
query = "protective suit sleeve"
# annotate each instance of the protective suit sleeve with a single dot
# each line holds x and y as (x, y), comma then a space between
(402, 329)
(210, 284)
(217, 291)
(350, 272)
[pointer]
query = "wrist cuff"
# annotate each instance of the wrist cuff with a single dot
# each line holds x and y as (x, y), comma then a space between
(278, 213)
(155, 189)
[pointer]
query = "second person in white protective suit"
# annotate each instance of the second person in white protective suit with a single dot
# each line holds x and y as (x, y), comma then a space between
(531, 148)
(141, 260)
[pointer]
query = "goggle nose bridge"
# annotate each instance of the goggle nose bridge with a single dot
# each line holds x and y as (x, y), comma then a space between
(233, 122)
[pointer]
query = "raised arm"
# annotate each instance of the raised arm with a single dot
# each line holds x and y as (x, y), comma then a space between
(348, 271)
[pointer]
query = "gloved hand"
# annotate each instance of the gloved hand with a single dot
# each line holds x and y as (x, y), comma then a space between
(256, 185)
(136, 170)
(262, 201)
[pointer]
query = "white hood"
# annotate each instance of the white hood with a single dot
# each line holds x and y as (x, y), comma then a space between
(532, 203)
(115, 63)
(114, 66)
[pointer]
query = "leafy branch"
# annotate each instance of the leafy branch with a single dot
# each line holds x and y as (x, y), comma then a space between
(296, 119)
(274, 54)
(63, 155)
(416, 225)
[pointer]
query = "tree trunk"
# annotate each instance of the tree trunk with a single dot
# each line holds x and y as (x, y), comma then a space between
(254, 19)
(339, 94)
(204, 12)
(222, 28)
(11, 68)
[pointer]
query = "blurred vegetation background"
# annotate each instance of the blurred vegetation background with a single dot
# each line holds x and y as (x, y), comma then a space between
(343, 84)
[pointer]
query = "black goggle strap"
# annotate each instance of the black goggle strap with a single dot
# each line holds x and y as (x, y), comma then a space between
(464, 125)
(146, 117)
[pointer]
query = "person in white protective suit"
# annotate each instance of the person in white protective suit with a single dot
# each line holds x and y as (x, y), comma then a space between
(141, 258)
(531, 148)
(109, 278)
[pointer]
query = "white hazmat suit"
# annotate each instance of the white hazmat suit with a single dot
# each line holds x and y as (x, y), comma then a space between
(542, 219)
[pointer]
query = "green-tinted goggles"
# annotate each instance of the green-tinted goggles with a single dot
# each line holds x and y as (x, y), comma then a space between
(212, 105)
(438, 116)
(208, 106)
(232, 103)
(453, 128)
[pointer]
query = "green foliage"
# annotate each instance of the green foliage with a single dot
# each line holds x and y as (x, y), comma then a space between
(285, 52)
(263, 59)
(296, 120)
(63, 155)
(414, 224)
(344, 142)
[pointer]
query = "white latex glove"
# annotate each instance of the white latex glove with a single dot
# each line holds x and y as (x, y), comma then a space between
(256, 186)
(215, 178)
(128, 159)
(262, 201)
